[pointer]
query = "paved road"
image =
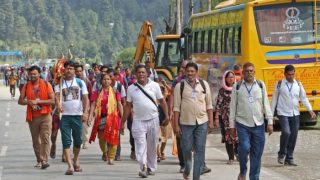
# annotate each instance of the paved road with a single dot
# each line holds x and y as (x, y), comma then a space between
(17, 157)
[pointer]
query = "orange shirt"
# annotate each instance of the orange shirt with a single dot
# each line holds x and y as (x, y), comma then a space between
(35, 88)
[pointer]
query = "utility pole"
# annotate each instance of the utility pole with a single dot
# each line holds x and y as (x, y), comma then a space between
(209, 5)
(190, 7)
(178, 15)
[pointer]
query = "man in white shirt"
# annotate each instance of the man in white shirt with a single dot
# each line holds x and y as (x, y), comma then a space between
(74, 108)
(145, 124)
(285, 102)
(249, 104)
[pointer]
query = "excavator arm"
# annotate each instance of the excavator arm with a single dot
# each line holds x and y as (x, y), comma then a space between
(145, 45)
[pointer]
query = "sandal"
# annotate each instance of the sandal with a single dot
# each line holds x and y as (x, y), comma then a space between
(38, 165)
(77, 168)
(185, 176)
(158, 159)
(53, 151)
(69, 172)
(104, 157)
(162, 156)
(230, 162)
(110, 162)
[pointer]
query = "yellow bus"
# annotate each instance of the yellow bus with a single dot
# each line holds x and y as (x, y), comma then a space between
(268, 33)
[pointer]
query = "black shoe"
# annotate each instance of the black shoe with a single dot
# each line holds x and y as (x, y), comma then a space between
(290, 163)
(45, 166)
(205, 170)
(281, 160)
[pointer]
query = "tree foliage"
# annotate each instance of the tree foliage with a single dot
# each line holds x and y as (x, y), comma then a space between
(99, 29)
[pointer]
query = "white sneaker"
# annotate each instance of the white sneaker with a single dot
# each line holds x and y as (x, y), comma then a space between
(150, 173)
(38, 165)
(143, 173)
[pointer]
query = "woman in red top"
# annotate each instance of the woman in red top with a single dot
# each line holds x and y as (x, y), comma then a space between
(105, 108)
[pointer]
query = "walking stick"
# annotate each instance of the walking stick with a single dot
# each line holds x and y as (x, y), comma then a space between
(60, 97)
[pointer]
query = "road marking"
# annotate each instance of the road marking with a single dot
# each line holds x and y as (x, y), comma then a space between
(6, 134)
(8, 115)
(3, 150)
(7, 123)
(8, 109)
(1, 169)
(266, 173)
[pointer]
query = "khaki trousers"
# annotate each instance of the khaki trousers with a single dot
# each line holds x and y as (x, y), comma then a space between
(40, 129)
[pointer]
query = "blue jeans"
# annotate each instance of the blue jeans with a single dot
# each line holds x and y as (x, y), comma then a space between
(289, 134)
(193, 137)
(251, 141)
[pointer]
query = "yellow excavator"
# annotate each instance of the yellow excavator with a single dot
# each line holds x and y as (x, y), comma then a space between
(165, 58)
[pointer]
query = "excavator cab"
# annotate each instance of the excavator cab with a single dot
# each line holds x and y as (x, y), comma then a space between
(168, 56)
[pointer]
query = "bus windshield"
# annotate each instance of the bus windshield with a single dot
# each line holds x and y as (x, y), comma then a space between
(285, 24)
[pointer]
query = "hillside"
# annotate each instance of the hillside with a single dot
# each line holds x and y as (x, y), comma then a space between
(98, 28)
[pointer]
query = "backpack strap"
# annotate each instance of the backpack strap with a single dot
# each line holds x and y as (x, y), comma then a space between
(201, 83)
(79, 82)
(181, 87)
(203, 86)
(260, 84)
(279, 84)
(238, 85)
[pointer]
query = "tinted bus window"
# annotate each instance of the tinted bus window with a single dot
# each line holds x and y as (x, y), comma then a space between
(195, 42)
(209, 41)
(237, 40)
(202, 42)
(227, 40)
(219, 40)
(233, 41)
(214, 41)
(206, 42)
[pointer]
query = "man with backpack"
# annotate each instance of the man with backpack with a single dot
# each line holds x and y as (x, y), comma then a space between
(285, 104)
(193, 118)
(38, 95)
(249, 105)
(74, 106)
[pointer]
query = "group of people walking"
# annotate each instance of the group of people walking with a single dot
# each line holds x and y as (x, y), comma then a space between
(109, 98)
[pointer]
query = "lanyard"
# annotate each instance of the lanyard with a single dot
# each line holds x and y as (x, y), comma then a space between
(289, 88)
(36, 91)
(68, 88)
(193, 87)
(248, 90)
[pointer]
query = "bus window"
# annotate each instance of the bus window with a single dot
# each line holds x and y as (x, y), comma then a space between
(285, 24)
(205, 42)
(232, 40)
(227, 44)
(219, 40)
(202, 42)
(209, 41)
(237, 40)
(214, 41)
(195, 42)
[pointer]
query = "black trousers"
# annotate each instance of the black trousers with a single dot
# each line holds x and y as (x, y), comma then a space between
(129, 126)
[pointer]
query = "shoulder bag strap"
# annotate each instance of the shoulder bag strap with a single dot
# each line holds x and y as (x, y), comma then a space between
(146, 94)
